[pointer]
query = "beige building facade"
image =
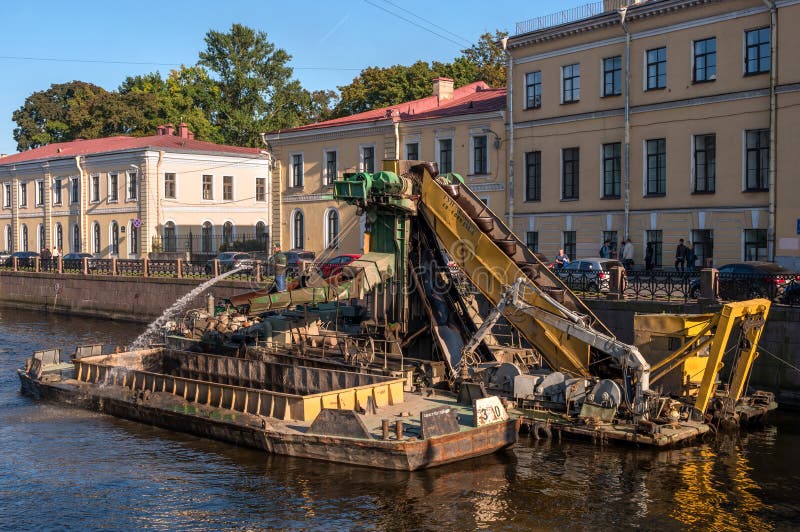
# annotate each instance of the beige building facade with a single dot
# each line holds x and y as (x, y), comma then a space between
(461, 129)
(664, 120)
(129, 197)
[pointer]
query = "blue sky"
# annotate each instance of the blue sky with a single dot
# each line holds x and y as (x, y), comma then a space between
(330, 42)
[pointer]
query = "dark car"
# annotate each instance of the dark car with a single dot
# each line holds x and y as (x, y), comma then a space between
(296, 259)
(749, 280)
(25, 259)
(74, 261)
(230, 260)
(334, 265)
(791, 296)
(588, 275)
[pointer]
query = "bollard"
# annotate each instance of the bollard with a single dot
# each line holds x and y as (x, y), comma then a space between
(179, 268)
(36, 263)
(60, 264)
(14, 262)
(709, 285)
(398, 429)
(145, 267)
(114, 266)
(385, 428)
(85, 266)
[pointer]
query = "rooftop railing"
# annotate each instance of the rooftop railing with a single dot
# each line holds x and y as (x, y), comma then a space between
(569, 15)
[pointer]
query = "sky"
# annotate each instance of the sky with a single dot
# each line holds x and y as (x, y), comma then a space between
(102, 42)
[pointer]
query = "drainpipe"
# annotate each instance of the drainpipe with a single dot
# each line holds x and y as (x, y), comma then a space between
(773, 117)
(627, 198)
(82, 217)
(397, 140)
(510, 86)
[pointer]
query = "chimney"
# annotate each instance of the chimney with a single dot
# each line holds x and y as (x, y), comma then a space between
(183, 130)
(170, 129)
(160, 131)
(443, 89)
(190, 136)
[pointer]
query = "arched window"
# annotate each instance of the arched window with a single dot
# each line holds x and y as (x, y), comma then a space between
(261, 235)
(96, 242)
(170, 238)
(41, 244)
(206, 237)
(298, 230)
(114, 238)
(58, 241)
(227, 232)
(76, 238)
(133, 240)
(332, 228)
(9, 239)
(24, 243)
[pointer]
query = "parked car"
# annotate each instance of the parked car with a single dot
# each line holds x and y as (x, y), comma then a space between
(25, 259)
(751, 279)
(229, 260)
(588, 275)
(295, 261)
(791, 295)
(4, 255)
(74, 261)
(334, 265)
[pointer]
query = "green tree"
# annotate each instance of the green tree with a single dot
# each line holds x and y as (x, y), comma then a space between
(255, 87)
(489, 59)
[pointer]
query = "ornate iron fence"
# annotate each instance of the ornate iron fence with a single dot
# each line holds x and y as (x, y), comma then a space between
(661, 285)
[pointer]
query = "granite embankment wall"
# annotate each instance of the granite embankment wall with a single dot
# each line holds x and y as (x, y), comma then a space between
(144, 299)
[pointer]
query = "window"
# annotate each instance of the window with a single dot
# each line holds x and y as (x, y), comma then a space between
(656, 167)
(612, 76)
(657, 68)
(756, 55)
(368, 159)
(612, 170)
(613, 240)
(7, 195)
(705, 163)
(445, 156)
(654, 239)
(170, 238)
(227, 188)
(114, 238)
(74, 190)
(208, 187)
(533, 90)
(133, 240)
(332, 228)
(705, 60)
(569, 244)
(95, 188)
(24, 237)
(96, 242)
(23, 196)
(76, 238)
(169, 185)
(755, 244)
(570, 173)
(227, 232)
(533, 176)
(113, 188)
(206, 237)
(412, 151)
(757, 160)
(261, 234)
(703, 246)
(571, 83)
(133, 187)
(331, 169)
(480, 155)
(57, 192)
(9, 239)
(532, 240)
(297, 170)
(261, 189)
(298, 230)
(40, 193)
(59, 237)
(41, 243)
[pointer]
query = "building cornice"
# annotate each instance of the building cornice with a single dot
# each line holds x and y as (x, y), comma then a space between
(330, 132)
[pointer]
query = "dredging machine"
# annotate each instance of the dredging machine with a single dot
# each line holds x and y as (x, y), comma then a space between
(447, 296)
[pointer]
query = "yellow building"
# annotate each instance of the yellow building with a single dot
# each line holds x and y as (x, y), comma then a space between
(127, 197)
(461, 129)
(654, 121)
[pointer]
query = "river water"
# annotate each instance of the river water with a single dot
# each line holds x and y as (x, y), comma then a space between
(69, 469)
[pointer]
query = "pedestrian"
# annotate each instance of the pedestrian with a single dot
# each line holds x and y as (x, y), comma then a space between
(279, 258)
(562, 259)
(648, 256)
(56, 253)
(605, 251)
(691, 258)
(46, 258)
(680, 256)
(627, 254)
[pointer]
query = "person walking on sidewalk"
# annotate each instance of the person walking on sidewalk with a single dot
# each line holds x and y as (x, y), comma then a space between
(627, 254)
(680, 256)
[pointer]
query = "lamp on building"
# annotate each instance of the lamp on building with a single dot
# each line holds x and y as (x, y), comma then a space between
(497, 139)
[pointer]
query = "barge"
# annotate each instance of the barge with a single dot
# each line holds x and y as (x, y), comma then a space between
(337, 416)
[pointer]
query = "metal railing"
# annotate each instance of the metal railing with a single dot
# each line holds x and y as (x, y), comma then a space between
(569, 15)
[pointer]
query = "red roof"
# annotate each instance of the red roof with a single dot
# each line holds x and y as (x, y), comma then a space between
(74, 148)
(476, 97)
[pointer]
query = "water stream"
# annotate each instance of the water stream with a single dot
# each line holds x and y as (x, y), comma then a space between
(154, 329)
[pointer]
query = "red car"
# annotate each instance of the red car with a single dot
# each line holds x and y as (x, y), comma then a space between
(334, 266)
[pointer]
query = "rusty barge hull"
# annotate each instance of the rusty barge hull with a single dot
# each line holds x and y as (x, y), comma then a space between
(275, 436)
